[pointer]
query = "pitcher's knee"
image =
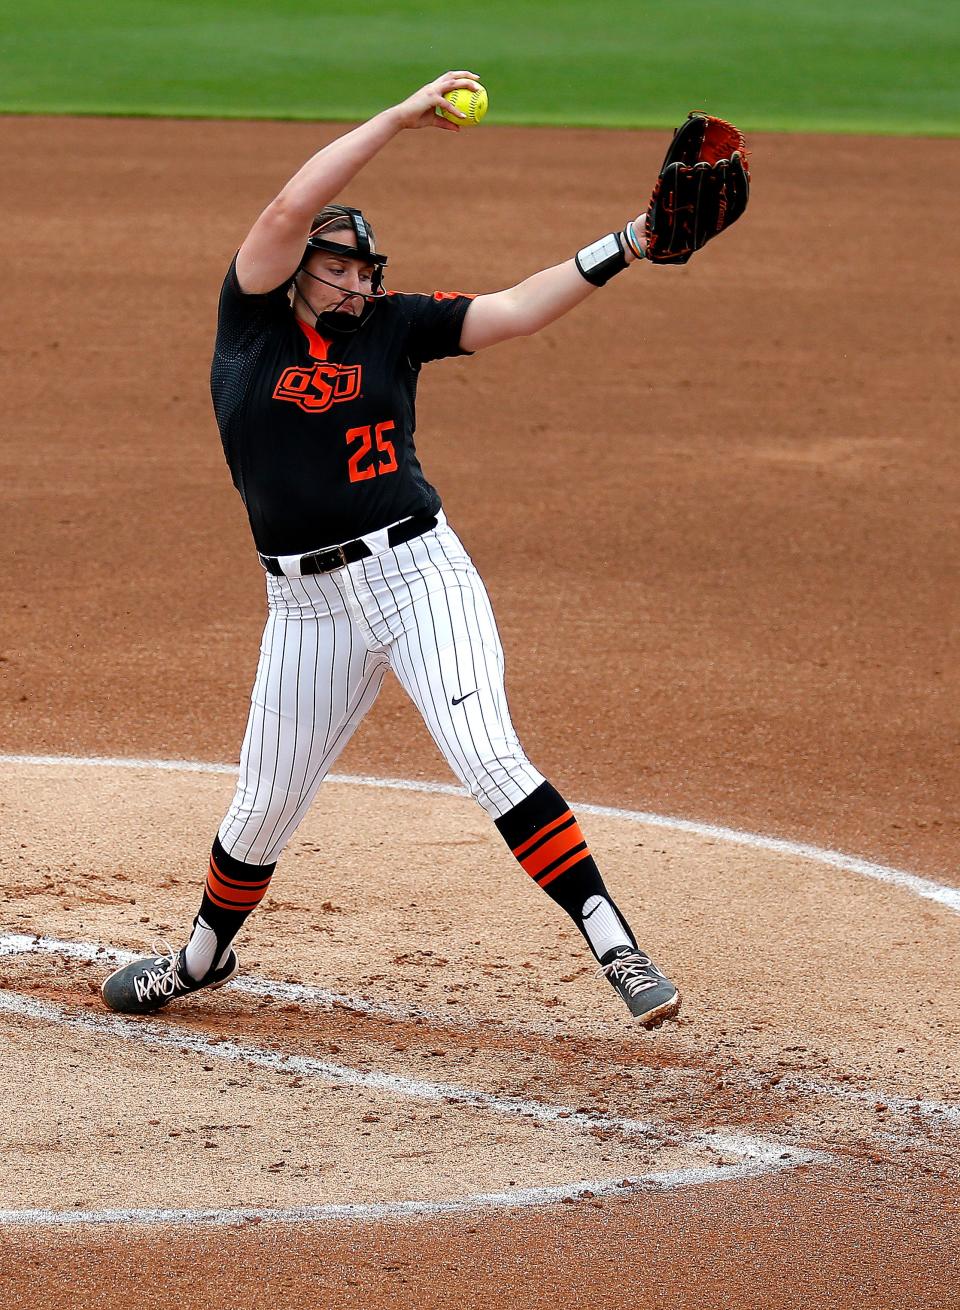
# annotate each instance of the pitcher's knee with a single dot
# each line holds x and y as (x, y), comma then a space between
(256, 832)
(500, 783)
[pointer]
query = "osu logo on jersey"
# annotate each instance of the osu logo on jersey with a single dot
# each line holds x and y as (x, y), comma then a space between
(316, 388)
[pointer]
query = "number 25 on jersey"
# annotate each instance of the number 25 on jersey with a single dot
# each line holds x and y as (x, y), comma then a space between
(363, 463)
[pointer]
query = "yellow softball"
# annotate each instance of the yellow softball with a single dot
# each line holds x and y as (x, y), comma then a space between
(471, 103)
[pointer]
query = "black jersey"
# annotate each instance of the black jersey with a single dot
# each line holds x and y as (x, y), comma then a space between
(318, 431)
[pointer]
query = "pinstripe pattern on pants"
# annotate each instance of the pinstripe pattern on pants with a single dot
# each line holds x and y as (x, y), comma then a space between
(420, 609)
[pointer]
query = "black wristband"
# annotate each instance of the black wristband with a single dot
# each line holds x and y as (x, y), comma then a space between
(602, 260)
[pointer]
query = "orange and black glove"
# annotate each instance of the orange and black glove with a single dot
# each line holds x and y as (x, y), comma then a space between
(703, 188)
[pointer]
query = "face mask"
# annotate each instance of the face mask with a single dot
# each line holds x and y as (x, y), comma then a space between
(335, 320)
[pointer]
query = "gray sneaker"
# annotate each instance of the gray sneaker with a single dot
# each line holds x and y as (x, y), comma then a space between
(148, 984)
(649, 994)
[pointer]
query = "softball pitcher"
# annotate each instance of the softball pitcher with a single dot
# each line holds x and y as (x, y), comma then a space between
(314, 382)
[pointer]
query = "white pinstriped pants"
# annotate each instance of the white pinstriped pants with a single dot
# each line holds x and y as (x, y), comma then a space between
(420, 609)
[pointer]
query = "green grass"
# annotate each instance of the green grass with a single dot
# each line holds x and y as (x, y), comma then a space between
(794, 65)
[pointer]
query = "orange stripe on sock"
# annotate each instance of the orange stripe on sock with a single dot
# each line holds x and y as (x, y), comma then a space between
(239, 906)
(562, 868)
(538, 836)
(233, 894)
(230, 881)
(554, 849)
(228, 885)
(232, 901)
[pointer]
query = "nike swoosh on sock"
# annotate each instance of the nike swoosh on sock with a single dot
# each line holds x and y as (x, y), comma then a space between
(603, 930)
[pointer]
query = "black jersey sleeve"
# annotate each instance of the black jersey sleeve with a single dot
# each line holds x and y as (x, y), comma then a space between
(243, 328)
(434, 324)
(242, 317)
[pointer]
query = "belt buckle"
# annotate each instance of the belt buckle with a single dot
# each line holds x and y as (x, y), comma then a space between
(330, 558)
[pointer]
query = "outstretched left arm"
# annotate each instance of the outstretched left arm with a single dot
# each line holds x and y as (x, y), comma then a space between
(522, 310)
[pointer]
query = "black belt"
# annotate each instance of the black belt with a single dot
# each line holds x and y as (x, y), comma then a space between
(337, 557)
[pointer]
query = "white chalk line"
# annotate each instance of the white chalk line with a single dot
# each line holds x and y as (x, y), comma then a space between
(942, 894)
(182, 1039)
(93, 952)
(936, 1112)
(549, 1194)
(754, 1156)
(939, 1113)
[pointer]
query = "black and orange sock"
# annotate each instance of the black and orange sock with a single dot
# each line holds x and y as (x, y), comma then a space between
(546, 839)
(231, 892)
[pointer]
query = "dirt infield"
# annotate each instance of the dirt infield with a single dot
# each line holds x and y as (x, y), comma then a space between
(716, 513)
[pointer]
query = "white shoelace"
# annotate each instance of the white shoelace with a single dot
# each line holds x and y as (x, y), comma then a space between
(636, 972)
(160, 981)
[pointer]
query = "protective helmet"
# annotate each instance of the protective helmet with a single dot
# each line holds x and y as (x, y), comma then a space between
(364, 250)
(338, 320)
